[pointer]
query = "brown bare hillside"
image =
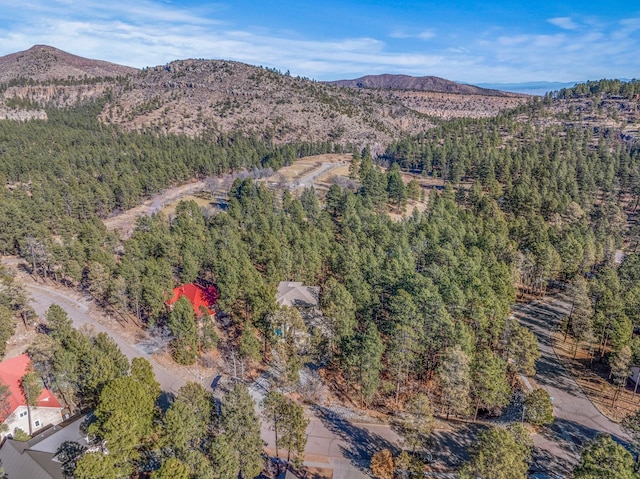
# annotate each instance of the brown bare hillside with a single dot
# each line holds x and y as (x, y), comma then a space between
(455, 105)
(209, 97)
(196, 96)
(44, 63)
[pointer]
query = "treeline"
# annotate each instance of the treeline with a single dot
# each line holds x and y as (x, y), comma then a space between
(604, 88)
(59, 174)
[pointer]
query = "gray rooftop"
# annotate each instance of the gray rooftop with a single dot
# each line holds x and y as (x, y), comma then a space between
(292, 293)
(33, 459)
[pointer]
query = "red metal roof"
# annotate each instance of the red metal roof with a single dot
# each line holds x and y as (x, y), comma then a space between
(11, 371)
(197, 295)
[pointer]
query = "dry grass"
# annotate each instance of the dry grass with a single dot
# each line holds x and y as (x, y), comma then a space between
(325, 179)
(594, 382)
(455, 105)
(317, 472)
(170, 208)
(310, 169)
(125, 221)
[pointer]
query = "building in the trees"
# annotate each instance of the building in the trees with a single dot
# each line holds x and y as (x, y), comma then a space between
(15, 413)
(36, 458)
(291, 293)
(304, 298)
(203, 299)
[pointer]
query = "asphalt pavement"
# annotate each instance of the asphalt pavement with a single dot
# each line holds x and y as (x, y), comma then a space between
(576, 419)
(43, 297)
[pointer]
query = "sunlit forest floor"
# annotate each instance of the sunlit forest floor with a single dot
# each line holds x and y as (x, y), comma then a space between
(593, 379)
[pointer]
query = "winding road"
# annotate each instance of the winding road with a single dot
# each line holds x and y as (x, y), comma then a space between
(78, 310)
(345, 446)
(576, 419)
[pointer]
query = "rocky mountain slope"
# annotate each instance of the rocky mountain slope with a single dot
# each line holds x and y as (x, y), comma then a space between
(42, 63)
(207, 97)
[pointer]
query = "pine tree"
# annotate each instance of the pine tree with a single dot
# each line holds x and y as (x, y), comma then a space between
(603, 458)
(499, 454)
(225, 460)
(489, 384)
(419, 422)
(242, 430)
(455, 380)
(172, 468)
(182, 322)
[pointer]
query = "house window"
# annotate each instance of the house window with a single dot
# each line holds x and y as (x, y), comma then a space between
(37, 423)
(23, 413)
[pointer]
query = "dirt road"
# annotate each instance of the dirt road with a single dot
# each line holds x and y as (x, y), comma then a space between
(125, 221)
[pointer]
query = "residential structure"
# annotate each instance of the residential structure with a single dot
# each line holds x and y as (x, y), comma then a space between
(292, 293)
(203, 299)
(35, 459)
(306, 300)
(16, 415)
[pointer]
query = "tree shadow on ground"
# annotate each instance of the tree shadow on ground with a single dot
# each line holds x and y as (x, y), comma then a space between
(165, 400)
(570, 437)
(580, 434)
(549, 372)
(544, 461)
(360, 443)
(451, 448)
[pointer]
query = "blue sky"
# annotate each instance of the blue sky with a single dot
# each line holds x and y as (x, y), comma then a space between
(470, 41)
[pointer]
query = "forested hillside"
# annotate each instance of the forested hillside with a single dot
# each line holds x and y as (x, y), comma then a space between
(533, 197)
(63, 173)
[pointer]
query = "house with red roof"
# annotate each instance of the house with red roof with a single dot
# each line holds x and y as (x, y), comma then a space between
(15, 414)
(203, 299)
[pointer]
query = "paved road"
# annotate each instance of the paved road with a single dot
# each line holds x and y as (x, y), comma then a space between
(577, 419)
(78, 311)
(332, 442)
(335, 443)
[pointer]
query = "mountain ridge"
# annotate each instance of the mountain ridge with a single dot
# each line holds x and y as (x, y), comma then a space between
(387, 81)
(45, 63)
(198, 97)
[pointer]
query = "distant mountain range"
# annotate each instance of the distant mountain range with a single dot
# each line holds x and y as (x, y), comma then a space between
(209, 97)
(529, 88)
(43, 63)
(406, 82)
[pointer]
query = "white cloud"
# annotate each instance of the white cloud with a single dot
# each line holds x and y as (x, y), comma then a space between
(423, 35)
(426, 35)
(148, 33)
(566, 23)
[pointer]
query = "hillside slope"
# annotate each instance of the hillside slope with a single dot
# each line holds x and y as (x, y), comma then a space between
(45, 63)
(209, 97)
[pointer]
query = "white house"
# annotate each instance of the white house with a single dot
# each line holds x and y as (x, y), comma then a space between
(16, 415)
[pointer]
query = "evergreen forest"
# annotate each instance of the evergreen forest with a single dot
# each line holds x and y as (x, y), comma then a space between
(530, 201)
